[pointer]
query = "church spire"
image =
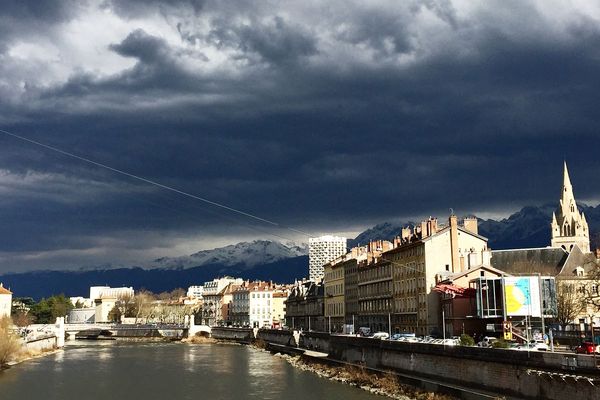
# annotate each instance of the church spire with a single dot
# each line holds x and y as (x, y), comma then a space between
(569, 226)
(567, 181)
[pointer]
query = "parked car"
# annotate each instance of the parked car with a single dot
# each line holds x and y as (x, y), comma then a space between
(364, 331)
(587, 348)
(403, 336)
(486, 341)
(534, 345)
(451, 342)
(381, 335)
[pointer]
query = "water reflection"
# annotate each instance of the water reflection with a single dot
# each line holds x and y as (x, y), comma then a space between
(173, 371)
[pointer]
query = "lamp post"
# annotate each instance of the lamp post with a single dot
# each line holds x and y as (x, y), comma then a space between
(444, 324)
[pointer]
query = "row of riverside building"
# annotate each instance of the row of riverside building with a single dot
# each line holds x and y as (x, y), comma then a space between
(436, 278)
(387, 282)
(236, 302)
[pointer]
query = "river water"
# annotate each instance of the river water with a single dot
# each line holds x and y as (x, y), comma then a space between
(149, 371)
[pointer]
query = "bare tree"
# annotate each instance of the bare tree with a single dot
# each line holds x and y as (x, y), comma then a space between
(592, 287)
(142, 300)
(127, 305)
(174, 294)
(22, 319)
(9, 342)
(569, 302)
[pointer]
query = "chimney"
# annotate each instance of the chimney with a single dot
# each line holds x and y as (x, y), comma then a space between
(432, 226)
(470, 224)
(424, 231)
(406, 234)
(453, 221)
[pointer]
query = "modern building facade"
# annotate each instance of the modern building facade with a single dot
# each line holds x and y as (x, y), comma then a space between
(322, 250)
(98, 292)
(195, 292)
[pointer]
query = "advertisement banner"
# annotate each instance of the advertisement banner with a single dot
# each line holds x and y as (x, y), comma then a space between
(522, 295)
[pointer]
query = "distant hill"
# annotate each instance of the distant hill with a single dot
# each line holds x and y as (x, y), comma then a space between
(38, 284)
(270, 260)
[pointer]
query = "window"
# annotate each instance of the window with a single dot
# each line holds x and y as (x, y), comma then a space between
(447, 267)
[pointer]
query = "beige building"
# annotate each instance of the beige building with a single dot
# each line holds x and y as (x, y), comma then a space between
(423, 256)
(280, 296)
(569, 226)
(5, 301)
(333, 282)
(104, 305)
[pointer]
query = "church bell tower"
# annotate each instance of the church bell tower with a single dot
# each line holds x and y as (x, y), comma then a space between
(569, 226)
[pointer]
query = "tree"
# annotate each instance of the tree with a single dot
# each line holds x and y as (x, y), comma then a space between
(142, 301)
(174, 294)
(46, 310)
(569, 303)
(114, 315)
(127, 306)
(22, 319)
(592, 288)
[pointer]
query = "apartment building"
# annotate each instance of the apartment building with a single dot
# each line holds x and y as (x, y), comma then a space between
(213, 299)
(423, 255)
(333, 282)
(322, 250)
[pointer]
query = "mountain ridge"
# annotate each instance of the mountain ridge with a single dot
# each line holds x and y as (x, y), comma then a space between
(271, 260)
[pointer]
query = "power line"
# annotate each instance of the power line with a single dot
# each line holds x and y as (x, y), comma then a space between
(154, 183)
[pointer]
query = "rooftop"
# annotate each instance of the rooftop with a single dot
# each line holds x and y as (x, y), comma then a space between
(3, 290)
(545, 261)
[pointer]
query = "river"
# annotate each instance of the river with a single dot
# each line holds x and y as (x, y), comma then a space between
(169, 371)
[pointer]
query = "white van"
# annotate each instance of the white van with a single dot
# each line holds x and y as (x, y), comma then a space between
(487, 341)
(381, 335)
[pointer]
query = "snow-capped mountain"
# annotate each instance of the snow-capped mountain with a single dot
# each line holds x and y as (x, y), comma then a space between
(385, 230)
(528, 227)
(247, 254)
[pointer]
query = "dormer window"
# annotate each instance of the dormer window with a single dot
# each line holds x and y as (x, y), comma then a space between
(578, 271)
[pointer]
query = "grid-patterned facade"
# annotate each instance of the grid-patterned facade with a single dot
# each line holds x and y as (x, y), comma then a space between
(322, 250)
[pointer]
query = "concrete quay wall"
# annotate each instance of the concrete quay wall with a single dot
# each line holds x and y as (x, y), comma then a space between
(536, 375)
(245, 335)
(282, 337)
(42, 344)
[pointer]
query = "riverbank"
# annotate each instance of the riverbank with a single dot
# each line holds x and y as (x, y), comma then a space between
(383, 384)
(27, 355)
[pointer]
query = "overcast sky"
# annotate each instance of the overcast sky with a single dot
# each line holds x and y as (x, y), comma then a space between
(325, 116)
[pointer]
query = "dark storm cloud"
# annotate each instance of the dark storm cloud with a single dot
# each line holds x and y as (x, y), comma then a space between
(137, 8)
(321, 117)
